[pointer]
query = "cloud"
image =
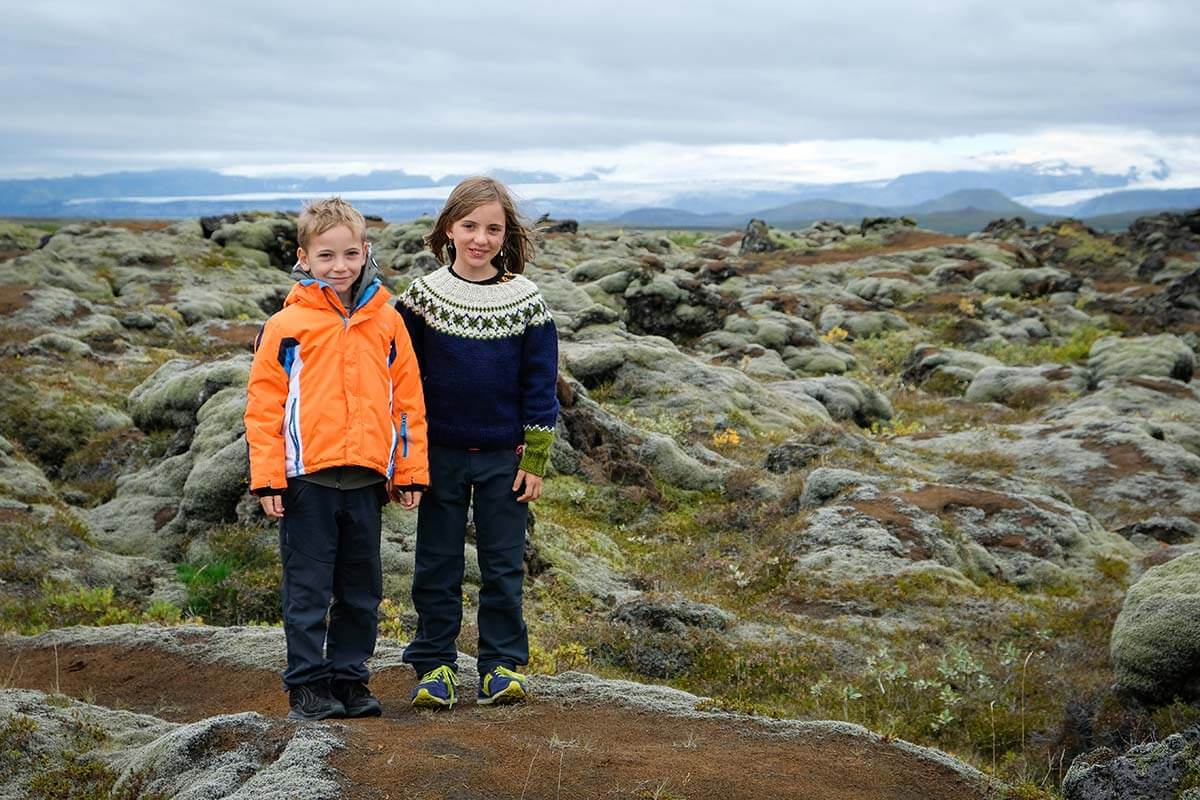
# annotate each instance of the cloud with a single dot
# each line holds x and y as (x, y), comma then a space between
(95, 86)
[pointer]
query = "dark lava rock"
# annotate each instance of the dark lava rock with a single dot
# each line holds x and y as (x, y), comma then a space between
(1155, 771)
(1172, 530)
(673, 616)
(547, 225)
(1006, 227)
(757, 238)
(876, 223)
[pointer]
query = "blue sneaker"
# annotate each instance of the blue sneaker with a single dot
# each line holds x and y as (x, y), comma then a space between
(438, 688)
(502, 685)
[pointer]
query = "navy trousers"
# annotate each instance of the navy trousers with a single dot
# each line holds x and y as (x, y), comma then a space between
(483, 480)
(329, 547)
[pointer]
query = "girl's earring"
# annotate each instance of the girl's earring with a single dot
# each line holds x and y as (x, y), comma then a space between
(501, 253)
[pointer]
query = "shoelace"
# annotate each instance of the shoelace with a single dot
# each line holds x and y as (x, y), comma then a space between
(504, 672)
(443, 672)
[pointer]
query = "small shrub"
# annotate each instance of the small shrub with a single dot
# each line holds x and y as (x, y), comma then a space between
(835, 334)
(238, 583)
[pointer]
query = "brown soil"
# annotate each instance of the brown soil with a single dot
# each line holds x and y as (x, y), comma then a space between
(537, 750)
(13, 298)
(1124, 459)
(140, 225)
(1164, 386)
(239, 334)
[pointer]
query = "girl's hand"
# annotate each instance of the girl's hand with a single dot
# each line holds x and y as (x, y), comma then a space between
(410, 500)
(533, 486)
(272, 505)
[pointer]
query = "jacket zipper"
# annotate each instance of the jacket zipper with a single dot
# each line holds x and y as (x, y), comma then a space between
(404, 433)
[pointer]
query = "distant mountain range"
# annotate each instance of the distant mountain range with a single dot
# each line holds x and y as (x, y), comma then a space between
(958, 212)
(954, 201)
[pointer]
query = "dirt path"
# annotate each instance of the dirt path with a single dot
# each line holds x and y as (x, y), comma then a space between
(538, 750)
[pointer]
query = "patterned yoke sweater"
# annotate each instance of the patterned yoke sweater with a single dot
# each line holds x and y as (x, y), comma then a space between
(488, 354)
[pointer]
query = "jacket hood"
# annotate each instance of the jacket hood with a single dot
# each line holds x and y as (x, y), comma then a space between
(362, 290)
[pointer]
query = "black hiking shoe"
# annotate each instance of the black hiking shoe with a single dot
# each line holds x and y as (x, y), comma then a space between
(357, 699)
(312, 701)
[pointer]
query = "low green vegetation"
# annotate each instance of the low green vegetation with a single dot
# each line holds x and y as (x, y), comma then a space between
(237, 583)
(1074, 350)
(687, 238)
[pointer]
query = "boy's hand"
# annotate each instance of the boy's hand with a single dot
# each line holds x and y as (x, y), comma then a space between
(272, 505)
(533, 486)
(408, 499)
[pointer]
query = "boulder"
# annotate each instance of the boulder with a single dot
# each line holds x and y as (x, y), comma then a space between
(1156, 639)
(885, 291)
(1024, 386)
(675, 615)
(173, 394)
(19, 479)
(860, 325)
(844, 398)
(944, 368)
(1023, 282)
(1164, 356)
(275, 236)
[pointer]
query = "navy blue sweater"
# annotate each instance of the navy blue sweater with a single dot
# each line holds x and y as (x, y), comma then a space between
(488, 354)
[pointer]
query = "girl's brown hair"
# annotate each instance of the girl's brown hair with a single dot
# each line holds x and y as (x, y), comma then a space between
(470, 194)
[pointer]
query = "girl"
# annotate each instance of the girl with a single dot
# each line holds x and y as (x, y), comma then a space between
(488, 354)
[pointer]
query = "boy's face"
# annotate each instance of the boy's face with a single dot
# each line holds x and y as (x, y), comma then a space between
(478, 236)
(336, 257)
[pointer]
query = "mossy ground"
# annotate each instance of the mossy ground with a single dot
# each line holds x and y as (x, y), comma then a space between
(74, 772)
(988, 672)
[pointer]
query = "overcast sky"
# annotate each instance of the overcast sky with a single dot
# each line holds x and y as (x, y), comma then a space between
(653, 89)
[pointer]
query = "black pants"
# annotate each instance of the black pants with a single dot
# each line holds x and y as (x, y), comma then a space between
(457, 477)
(329, 546)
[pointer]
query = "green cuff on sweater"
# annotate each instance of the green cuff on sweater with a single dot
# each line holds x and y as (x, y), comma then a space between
(537, 450)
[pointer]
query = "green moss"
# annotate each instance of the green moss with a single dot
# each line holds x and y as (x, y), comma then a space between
(1084, 248)
(14, 237)
(48, 428)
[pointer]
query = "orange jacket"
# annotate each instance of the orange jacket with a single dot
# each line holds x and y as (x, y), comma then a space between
(330, 390)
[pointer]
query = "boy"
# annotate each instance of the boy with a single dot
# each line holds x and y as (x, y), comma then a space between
(335, 423)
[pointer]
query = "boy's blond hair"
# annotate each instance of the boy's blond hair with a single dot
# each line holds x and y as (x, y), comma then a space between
(322, 215)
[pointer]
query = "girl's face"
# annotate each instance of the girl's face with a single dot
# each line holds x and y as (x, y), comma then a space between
(478, 236)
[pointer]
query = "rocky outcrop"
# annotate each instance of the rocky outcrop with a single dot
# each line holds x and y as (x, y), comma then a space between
(757, 238)
(237, 756)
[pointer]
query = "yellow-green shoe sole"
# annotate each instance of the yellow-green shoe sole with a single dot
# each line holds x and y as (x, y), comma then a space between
(423, 699)
(513, 693)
